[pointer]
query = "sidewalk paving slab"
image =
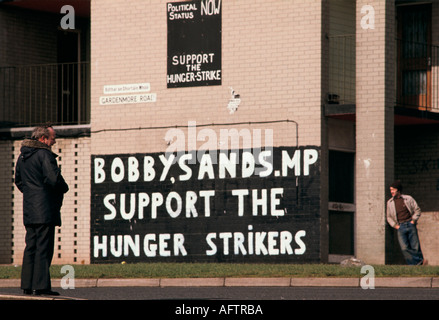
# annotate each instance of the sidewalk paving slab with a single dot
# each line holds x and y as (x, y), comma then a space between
(192, 282)
(127, 282)
(257, 282)
(80, 283)
(325, 282)
(408, 282)
(8, 283)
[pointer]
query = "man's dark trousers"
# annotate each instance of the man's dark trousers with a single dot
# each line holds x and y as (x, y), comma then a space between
(37, 258)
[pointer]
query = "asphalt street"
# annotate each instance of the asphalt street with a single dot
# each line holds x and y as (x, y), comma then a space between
(225, 302)
(240, 293)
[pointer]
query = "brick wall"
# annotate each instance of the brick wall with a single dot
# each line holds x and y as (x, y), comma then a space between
(34, 31)
(6, 201)
(271, 57)
(374, 127)
(417, 166)
(273, 63)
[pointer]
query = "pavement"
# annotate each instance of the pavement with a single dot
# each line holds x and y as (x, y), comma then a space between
(379, 282)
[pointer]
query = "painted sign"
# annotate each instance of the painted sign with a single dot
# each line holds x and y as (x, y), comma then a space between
(222, 206)
(194, 43)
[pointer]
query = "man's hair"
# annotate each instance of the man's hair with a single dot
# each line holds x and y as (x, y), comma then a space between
(41, 131)
(397, 185)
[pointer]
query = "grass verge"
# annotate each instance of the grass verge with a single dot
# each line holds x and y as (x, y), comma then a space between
(222, 270)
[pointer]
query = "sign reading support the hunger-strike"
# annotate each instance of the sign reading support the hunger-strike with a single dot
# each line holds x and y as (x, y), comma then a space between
(194, 43)
(221, 206)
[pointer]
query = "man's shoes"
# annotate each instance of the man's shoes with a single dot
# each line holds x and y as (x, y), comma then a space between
(46, 292)
(27, 291)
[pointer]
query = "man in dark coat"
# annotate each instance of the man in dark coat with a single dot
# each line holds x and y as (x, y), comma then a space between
(39, 178)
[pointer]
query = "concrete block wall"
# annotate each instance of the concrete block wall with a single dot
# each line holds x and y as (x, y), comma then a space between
(72, 239)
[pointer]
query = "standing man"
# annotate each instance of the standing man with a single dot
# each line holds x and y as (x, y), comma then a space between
(39, 178)
(402, 214)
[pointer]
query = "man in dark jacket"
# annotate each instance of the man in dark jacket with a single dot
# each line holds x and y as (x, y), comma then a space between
(39, 178)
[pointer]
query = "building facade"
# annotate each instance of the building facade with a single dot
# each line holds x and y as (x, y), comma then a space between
(220, 131)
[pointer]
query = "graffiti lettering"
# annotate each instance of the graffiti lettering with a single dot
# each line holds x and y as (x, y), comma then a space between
(210, 7)
(210, 166)
(173, 203)
(227, 205)
(257, 243)
(153, 244)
